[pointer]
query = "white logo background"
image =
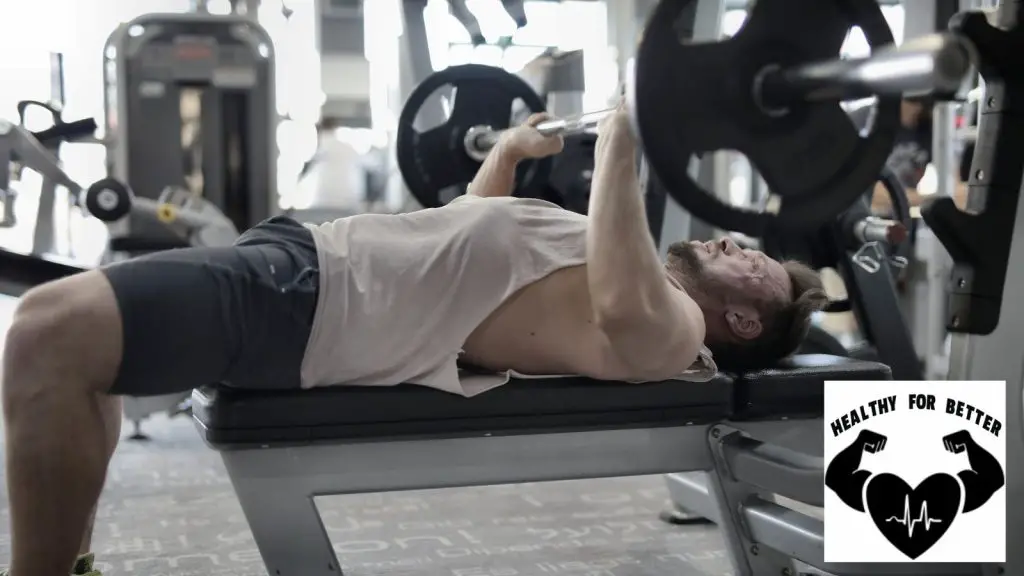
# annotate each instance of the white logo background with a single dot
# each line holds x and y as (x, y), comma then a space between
(914, 451)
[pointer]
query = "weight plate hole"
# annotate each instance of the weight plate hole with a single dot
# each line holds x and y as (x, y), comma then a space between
(772, 111)
(107, 199)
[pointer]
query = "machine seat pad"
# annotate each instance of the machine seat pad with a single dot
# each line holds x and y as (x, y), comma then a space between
(19, 272)
(138, 245)
(795, 386)
(231, 415)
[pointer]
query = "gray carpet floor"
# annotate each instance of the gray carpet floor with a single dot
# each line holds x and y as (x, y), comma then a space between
(169, 510)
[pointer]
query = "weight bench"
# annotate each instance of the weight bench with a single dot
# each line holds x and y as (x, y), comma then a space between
(750, 431)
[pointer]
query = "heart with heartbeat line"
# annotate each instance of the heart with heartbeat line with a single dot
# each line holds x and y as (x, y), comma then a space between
(913, 519)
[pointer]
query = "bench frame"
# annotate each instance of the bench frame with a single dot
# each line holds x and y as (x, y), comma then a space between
(276, 486)
(734, 470)
(733, 466)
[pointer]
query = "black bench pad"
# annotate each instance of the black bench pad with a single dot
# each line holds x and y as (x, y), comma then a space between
(229, 416)
(794, 387)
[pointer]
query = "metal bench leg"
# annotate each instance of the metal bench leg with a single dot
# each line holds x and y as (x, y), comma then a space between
(284, 521)
(689, 494)
(731, 497)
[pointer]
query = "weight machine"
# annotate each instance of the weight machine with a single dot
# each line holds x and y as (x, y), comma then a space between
(189, 104)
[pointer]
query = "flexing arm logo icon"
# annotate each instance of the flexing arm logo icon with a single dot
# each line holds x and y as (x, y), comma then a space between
(937, 498)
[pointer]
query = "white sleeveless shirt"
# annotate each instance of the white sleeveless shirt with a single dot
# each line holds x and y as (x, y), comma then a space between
(401, 293)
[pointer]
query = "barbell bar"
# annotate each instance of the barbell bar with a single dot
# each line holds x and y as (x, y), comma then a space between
(480, 139)
(936, 63)
(932, 64)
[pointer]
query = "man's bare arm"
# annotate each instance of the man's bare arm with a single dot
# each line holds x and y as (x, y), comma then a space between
(497, 175)
(649, 323)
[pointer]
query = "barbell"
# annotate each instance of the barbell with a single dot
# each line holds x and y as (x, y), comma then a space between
(480, 139)
(775, 89)
(436, 161)
(772, 92)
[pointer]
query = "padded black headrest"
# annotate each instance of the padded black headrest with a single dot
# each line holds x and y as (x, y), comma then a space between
(800, 368)
(794, 385)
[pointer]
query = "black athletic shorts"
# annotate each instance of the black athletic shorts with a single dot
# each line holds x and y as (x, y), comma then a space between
(238, 315)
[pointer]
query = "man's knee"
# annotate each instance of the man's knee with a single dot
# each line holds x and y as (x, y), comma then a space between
(65, 332)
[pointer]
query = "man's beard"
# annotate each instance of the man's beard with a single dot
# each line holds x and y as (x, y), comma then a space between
(686, 267)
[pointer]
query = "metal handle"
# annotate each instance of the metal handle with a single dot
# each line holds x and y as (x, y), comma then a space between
(480, 139)
(573, 124)
(864, 258)
(936, 63)
(874, 229)
(23, 146)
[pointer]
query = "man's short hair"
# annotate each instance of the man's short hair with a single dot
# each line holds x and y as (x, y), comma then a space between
(784, 325)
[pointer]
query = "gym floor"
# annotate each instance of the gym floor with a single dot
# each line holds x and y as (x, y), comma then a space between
(168, 509)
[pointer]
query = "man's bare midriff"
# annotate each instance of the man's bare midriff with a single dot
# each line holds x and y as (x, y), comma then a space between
(546, 328)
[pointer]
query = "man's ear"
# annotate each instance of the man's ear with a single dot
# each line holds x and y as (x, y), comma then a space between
(744, 321)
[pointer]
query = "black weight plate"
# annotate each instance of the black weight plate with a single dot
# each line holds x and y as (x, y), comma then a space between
(435, 159)
(692, 98)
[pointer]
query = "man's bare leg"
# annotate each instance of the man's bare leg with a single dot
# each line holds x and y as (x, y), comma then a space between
(86, 546)
(62, 355)
(113, 435)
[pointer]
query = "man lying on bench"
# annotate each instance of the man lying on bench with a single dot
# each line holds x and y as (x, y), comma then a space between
(376, 300)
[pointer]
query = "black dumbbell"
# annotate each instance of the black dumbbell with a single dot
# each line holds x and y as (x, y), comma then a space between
(108, 200)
